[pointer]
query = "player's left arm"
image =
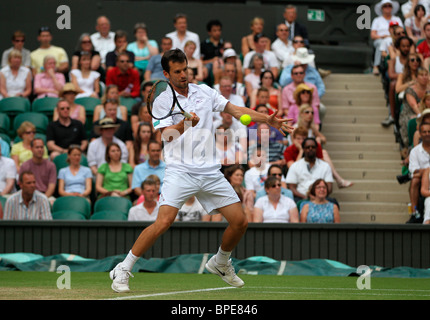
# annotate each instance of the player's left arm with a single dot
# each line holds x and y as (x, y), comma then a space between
(272, 120)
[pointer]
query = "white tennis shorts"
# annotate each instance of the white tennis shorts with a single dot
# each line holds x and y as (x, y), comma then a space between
(212, 191)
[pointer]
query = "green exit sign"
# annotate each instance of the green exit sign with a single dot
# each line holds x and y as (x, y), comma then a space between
(316, 15)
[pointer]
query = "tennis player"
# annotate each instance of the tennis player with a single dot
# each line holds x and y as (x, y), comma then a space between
(194, 174)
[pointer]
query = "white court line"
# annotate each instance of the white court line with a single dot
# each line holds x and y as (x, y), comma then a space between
(309, 288)
(169, 293)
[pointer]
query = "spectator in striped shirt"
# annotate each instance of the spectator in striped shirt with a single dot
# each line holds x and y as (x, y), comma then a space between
(27, 203)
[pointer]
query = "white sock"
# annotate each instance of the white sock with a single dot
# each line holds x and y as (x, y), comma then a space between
(129, 261)
(222, 256)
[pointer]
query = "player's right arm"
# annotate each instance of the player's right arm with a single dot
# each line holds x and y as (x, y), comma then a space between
(174, 131)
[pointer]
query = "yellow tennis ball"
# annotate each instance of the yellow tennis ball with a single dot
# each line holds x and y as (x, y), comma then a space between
(245, 119)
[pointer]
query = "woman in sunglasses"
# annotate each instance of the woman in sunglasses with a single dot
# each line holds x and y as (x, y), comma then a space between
(409, 75)
(302, 95)
(275, 207)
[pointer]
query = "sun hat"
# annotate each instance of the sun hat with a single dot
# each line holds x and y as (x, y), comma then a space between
(105, 123)
(69, 87)
(378, 7)
(302, 87)
(229, 53)
(303, 56)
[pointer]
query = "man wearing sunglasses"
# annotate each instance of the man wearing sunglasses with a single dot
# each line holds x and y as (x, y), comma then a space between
(305, 171)
(125, 77)
(18, 39)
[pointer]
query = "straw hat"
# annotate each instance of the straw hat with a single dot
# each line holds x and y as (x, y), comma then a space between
(105, 123)
(301, 87)
(425, 114)
(378, 7)
(69, 87)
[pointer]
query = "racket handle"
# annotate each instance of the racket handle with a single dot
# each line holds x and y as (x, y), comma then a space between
(187, 115)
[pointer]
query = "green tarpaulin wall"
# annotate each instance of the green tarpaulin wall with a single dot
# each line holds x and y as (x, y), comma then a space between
(194, 263)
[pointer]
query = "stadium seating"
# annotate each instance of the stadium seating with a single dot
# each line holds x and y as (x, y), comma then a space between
(79, 205)
(119, 204)
(60, 161)
(5, 137)
(412, 127)
(4, 123)
(14, 105)
(128, 103)
(109, 215)
(67, 215)
(39, 120)
(45, 105)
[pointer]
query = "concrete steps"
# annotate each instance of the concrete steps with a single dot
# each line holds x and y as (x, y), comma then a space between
(363, 151)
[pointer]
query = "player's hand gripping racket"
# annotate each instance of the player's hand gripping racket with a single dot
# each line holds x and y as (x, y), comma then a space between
(164, 91)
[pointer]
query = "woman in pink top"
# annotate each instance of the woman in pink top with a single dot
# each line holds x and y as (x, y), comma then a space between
(49, 82)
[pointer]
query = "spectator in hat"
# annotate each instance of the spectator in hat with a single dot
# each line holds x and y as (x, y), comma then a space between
(106, 129)
(385, 10)
(304, 58)
(77, 111)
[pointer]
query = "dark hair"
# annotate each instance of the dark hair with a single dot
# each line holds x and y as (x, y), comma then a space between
(307, 139)
(213, 23)
(137, 143)
(273, 166)
(263, 73)
(110, 145)
(174, 55)
(228, 172)
(270, 181)
(32, 141)
(398, 41)
(71, 148)
(313, 186)
(120, 34)
(148, 182)
(296, 66)
(417, 7)
(21, 175)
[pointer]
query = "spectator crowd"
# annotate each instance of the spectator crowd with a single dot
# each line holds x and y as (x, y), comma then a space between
(401, 39)
(89, 134)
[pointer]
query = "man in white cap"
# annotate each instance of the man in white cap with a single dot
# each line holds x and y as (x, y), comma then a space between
(386, 10)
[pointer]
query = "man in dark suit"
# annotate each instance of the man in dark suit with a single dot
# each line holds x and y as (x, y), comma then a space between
(290, 16)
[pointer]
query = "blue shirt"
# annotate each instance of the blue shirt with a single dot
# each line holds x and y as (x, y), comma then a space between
(143, 170)
(5, 148)
(312, 75)
(75, 183)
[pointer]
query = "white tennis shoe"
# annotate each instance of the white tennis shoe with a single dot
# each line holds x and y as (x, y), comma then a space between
(120, 278)
(226, 272)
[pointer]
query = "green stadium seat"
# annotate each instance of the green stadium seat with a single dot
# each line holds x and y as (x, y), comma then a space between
(14, 105)
(40, 121)
(412, 127)
(3, 202)
(5, 137)
(45, 105)
(60, 161)
(67, 215)
(128, 103)
(113, 203)
(4, 123)
(89, 104)
(109, 215)
(72, 203)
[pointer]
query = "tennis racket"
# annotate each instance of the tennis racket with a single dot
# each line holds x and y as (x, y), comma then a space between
(161, 101)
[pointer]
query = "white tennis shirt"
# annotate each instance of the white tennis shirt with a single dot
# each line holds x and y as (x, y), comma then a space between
(194, 151)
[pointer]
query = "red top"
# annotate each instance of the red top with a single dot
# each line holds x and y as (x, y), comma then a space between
(123, 80)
